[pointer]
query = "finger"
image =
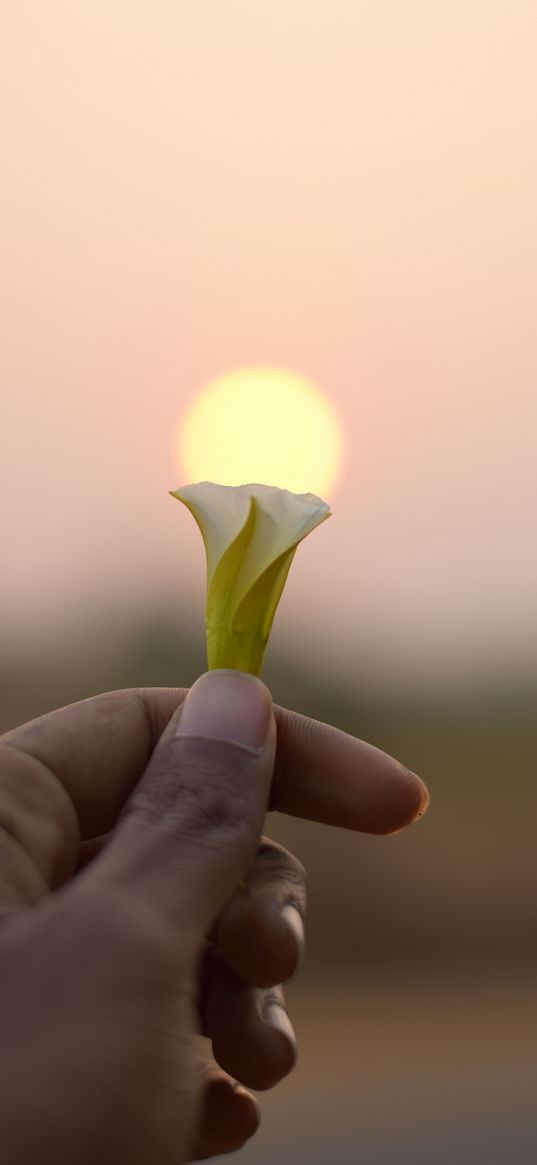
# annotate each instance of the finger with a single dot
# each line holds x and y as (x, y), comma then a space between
(38, 830)
(21, 883)
(251, 1033)
(192, 827)
(229, 1116)
(260, 932)
(95, 752)
(326, 775)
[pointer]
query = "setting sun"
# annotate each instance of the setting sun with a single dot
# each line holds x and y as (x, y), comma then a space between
(262, 425)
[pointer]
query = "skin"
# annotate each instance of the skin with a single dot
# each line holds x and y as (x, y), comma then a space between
(146, 926)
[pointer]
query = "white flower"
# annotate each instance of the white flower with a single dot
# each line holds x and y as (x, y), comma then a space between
(251, 533)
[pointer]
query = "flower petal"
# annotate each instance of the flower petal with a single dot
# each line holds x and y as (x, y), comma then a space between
(251, 533)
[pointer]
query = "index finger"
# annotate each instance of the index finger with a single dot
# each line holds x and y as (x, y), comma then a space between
(98, 749)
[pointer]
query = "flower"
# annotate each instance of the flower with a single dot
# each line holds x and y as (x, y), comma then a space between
(251, 533)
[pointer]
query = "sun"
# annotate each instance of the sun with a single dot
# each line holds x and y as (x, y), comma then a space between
(263, 425)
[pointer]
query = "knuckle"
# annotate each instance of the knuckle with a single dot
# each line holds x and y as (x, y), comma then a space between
(37, 812)
(276, 864)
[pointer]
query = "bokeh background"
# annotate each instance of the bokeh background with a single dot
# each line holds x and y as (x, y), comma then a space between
(347, 190)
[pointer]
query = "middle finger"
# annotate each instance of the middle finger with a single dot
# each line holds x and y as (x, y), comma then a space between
(251, 1034)
(260, 932)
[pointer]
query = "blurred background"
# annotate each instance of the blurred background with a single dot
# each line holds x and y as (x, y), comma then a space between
(346, 190)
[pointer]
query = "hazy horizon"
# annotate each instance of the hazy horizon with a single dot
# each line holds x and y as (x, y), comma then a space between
(346, 191)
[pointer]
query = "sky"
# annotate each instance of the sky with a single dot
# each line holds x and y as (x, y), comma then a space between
(343, 189)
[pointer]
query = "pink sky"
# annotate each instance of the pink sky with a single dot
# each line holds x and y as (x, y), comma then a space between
(344, 189)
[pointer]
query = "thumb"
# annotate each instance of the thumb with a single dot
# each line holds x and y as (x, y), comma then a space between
(191, 829)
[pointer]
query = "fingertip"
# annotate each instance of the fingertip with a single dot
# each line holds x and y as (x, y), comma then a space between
(260, 941)
(294, 922)
(248, 1112)
(230, 1117)
(327, 775)
(425, 797)
(408, 802)
(277, 1051)
(277, 1019)
(252, 1037)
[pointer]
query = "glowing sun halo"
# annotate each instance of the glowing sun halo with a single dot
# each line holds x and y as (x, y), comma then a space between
(264, 425)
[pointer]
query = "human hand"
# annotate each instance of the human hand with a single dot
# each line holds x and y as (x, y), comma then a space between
(127, 823)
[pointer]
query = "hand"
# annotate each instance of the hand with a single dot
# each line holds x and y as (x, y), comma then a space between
(139, 909)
